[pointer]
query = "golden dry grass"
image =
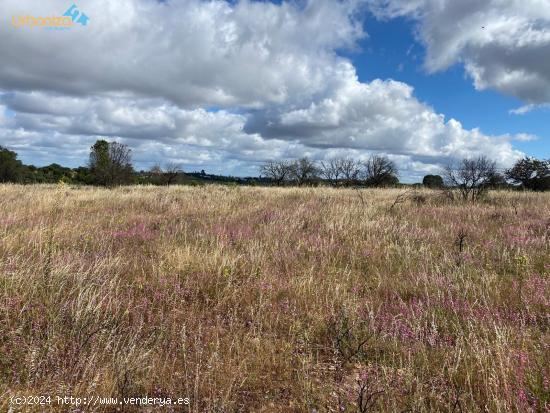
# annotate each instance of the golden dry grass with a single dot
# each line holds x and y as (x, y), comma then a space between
(275, 300)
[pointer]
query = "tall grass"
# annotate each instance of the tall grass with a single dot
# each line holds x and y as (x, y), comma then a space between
(275, 300)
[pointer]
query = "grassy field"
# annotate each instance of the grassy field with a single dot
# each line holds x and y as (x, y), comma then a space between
(275, 300)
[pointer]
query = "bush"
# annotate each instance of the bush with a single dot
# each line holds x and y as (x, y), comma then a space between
(433, 181)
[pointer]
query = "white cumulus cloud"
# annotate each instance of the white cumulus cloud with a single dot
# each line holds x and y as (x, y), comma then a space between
(503, 44)
(227, 85)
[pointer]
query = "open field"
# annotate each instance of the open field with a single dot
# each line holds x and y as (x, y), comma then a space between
(275, 300)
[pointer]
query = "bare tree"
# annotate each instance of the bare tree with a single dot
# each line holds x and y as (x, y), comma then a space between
(471, 177)
(331, 171)
(304, 171)
(155, 169)
(379, 171)
(350, 169)
(166, 176)
(277, 171)
(340, 170)
(121, 169)
(171, 173)
(155, 174)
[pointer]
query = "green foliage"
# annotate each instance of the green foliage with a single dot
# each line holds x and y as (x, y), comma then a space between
(531, 173)
(497, 181)
(111, 164)
(54, 173)
(99, 163)
(383, 181)
(11, 169)
(433, 181)
(82, 175)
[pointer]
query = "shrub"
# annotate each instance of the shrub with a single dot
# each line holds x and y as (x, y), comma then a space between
(433, 181)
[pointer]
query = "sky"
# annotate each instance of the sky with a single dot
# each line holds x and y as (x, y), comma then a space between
(227, 85)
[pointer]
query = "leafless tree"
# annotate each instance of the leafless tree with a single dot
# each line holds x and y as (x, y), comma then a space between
(121, 171)
(171, 172)
(350, 170)
(379, 171)
(166, 176)
(304, 171)
(155, 174)
(471, 177)
(340, 170)
(331, 171)
(277, 171)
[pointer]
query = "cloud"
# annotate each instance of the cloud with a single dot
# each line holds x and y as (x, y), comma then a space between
(525, 137)
(382, 116)
(355, 119)
(217, 85)
(155, 130)
(522, 110)
(190, 52)
(503, 44)
(3, 117)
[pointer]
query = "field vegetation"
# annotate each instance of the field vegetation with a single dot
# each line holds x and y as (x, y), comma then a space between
(276, 299)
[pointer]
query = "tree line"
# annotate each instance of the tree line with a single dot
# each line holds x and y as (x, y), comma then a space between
(470, 177)
(110, 164)
(376, 171)
(473, 177)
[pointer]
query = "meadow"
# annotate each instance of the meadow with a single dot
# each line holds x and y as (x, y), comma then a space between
(275, 299)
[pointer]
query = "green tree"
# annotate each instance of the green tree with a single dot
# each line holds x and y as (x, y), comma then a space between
(530, 173)
(11, 168)
(433, 181)
(111, 164)
(55, 173)
(99, 163)
(32, 175)
(497, 181)
(81, 175)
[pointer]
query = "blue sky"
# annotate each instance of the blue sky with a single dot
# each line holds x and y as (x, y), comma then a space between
(392, 51)
(225, 86)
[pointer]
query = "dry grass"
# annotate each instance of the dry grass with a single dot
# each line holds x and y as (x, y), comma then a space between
(275, 300)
